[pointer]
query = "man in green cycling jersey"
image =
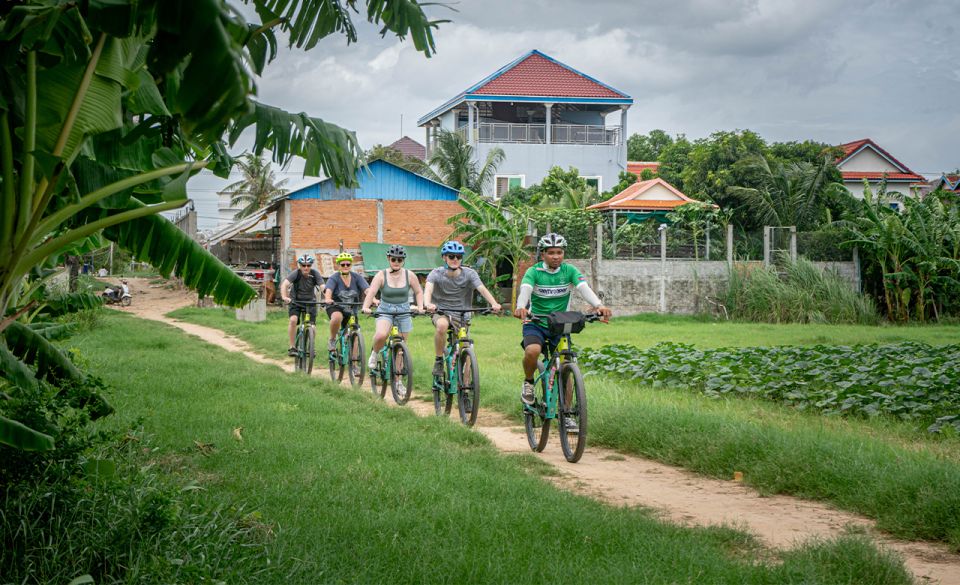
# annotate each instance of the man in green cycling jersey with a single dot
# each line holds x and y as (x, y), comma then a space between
(545, 288)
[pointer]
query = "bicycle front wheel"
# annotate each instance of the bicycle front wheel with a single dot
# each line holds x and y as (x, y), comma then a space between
(442, 400)
(310, 353)
(333, 360)
(356, 365)
(378, 377)
(401, 380)
(573, 412)
(299, 364)
(468, 387)
(535, 417)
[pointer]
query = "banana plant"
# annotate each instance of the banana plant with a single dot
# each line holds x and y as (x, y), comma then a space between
(108, 107)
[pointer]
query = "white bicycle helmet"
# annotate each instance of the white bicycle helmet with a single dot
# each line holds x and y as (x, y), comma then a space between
(551, 240)
(305, 259)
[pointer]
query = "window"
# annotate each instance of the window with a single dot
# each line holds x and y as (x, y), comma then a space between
(595, 182)
(506, 182)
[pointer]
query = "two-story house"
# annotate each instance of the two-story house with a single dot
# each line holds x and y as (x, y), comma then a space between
(541, 113)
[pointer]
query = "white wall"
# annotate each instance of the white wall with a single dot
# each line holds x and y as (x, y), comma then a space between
(534, 161)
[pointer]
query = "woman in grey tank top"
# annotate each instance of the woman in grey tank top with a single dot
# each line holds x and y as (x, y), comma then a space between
(396, 283)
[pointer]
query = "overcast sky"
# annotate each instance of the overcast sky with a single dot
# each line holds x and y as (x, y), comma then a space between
(790, 70)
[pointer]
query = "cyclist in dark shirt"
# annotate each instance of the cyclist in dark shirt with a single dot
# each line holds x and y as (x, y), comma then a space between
(345, 286)
(304, 281)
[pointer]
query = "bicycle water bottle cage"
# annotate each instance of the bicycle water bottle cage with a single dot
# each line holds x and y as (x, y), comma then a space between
(565, 322)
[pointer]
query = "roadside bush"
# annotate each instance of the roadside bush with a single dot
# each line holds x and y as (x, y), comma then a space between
(94, 506)
(578, 226)
(801, 294)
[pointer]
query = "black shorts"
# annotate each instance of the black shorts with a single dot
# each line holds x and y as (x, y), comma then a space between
(339, 309)
(536, 334)
(295, 309)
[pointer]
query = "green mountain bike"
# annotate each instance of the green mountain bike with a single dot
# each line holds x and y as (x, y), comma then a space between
(560, 390)
(349, 352)
(394, 365)
(305, 339)
(461, 376)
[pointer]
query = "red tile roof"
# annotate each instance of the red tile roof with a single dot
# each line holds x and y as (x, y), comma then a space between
(626, 199)
(410, 147)
(637, 167)
(857, 175)
(537, 75)
(852, 147)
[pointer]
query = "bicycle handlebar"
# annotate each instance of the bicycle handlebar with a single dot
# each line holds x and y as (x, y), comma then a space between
(588, 317)
(463, 310)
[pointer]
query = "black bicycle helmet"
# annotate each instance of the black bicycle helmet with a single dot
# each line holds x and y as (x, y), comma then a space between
(396, 251)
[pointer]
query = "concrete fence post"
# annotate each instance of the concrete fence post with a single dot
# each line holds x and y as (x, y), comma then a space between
(663, 268)
(856, 269)
(766, 246)
(730, 245)
(793, 243)
(379, 221)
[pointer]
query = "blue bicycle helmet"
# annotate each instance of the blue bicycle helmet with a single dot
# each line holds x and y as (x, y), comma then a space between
(451, 247)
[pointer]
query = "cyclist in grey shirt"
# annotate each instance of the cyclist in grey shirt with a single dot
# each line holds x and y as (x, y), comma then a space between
(451, 287)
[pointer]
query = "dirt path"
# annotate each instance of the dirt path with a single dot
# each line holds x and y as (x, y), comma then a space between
(623, 480)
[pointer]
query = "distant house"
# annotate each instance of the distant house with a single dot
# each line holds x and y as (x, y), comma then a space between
(644, 200)
(637, 167)
(864, 159)
(409, 147)
(947, 183)
(541, 113)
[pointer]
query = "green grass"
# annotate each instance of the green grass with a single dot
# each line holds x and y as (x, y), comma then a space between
(895, 472)
(355, 491)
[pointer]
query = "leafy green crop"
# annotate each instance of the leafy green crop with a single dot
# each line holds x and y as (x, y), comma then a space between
(909, 380)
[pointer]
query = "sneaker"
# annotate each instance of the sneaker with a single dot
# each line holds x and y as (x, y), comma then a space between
(293, 352)
(438, 368)
(570, 424)
(372, 361)
(526, 394)
(332, 345)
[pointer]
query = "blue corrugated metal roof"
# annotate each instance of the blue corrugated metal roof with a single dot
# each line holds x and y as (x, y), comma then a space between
(380, 180)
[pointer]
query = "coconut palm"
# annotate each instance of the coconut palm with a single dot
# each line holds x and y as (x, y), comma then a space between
(793, 193)
(108, 108)
(452, 163)
(493, 231)
(258, 186)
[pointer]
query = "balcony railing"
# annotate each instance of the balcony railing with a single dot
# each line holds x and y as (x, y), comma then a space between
(502, 132)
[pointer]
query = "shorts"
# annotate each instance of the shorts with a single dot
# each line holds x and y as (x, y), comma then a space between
(343, 311)
(403, 322)
(455, 319)
(535, 334)
(295, 309)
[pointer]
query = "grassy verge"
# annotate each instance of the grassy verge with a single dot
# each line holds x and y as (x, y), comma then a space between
(897, 473)
(354, 491)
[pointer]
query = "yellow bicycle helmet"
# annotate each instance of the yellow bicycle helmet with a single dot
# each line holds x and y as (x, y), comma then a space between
(344, 256)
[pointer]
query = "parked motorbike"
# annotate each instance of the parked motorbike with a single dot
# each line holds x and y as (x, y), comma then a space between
(119, 295)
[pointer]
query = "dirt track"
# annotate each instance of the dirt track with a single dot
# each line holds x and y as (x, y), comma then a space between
(623, 480)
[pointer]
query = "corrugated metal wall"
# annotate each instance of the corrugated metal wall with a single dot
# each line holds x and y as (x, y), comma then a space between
(381, 181)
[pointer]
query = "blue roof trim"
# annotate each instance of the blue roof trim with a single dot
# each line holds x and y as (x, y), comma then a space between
(546, 98)
(468, 93)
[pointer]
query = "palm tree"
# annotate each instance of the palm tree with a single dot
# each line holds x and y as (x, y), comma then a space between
(111, 111)
(257, 187)
(794, 193)
(452, 164)
(494, 232)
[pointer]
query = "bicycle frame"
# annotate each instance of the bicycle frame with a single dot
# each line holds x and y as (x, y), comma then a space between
(385, 354)
(553, 359)
(342, 351)
(457, 339)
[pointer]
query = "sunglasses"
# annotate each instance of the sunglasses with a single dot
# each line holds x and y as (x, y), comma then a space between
(455, 256)
(396, 259)
(306, 265)
(345, 264)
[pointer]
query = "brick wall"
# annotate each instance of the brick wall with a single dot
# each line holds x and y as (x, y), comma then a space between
(316, 224)
(418, 223)
(320, 225)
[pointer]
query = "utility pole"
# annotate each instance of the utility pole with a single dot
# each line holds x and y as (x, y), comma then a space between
(111, 258)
